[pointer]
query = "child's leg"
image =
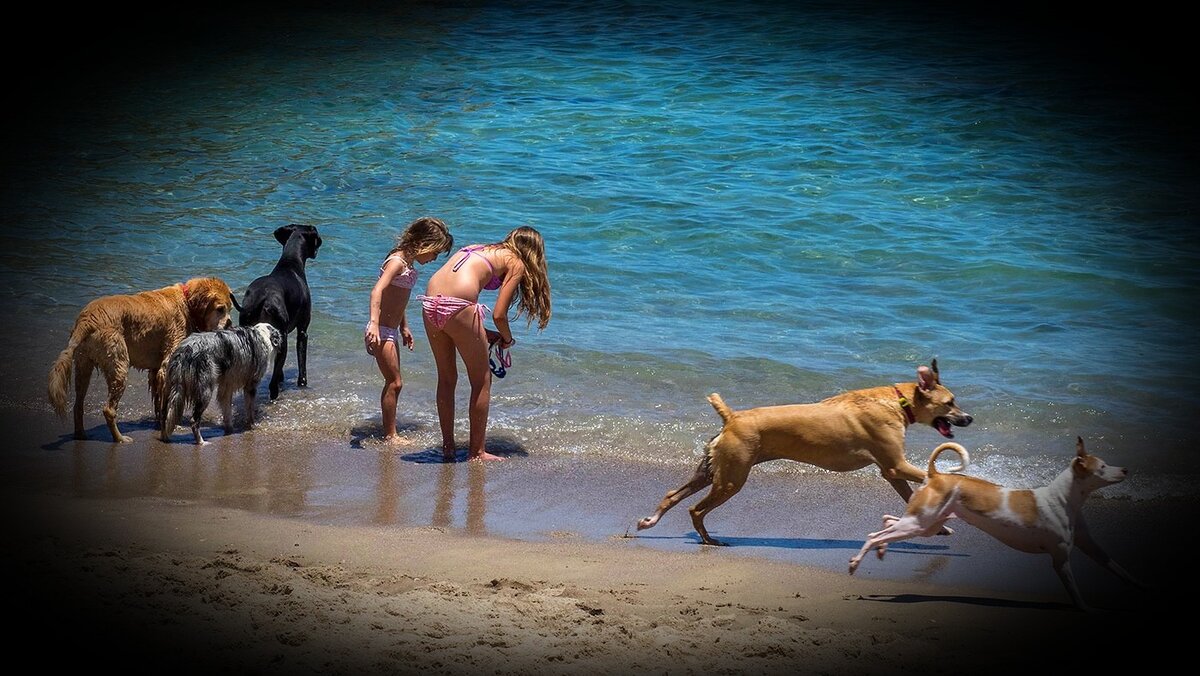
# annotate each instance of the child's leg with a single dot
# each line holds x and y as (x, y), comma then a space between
(445, 360)
(387, 357)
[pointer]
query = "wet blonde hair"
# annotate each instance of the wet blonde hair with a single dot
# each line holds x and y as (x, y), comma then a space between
(424, 235)
(533, 294)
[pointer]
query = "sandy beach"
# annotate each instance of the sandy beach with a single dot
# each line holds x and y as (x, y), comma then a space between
(227, 557)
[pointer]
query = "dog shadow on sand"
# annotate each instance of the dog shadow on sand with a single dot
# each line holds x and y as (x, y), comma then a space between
(808, 543)
(989, 601)
(99, 433)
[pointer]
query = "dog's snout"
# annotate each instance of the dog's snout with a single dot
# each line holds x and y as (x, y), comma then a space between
(967, 420)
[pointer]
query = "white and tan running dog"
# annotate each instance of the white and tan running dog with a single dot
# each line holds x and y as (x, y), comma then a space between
(1047, 520)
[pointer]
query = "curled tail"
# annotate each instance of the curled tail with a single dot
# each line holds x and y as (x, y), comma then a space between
(949, 446)
(724, 411)
(60, 373)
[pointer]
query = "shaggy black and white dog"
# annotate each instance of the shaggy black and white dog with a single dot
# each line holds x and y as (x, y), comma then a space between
(217, 362)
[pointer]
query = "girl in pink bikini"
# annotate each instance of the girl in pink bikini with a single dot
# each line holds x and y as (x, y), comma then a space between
(421, 242)
(453, 317)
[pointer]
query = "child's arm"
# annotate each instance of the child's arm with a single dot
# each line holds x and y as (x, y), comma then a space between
(405, 334)
(508, 291)
(391, 268)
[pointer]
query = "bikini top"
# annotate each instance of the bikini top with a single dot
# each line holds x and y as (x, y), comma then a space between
(494, 282)
(406, 279)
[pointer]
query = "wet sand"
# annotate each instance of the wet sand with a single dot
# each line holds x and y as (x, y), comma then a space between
(270, 551)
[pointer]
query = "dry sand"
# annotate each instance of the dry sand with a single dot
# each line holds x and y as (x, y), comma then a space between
(149, 557)
(157, 584)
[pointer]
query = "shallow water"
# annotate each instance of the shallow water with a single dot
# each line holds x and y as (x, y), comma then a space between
(776, 203)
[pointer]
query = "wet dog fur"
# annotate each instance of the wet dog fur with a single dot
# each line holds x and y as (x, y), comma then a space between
(220, 363)
(118, 332)
(282, 298)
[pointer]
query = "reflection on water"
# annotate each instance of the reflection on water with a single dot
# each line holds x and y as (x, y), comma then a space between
(450, 475)
(387, 492)
(232, 471)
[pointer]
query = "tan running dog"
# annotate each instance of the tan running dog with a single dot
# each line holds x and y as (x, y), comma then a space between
(842, 433)
(1047, 519)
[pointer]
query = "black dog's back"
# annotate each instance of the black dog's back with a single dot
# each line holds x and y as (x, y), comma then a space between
(266, 300)
(282, 298)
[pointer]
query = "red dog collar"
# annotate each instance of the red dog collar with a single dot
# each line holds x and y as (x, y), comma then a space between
(905, 405)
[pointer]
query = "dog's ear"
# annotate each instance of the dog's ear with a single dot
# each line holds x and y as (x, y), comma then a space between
(1079, 452)
(936, 376)
(283, 232)
(926, 379)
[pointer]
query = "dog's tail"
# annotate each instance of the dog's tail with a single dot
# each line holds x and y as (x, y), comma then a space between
(233, 299)
(60, 373)
(724, 411)
(176, 397)
(949, 446)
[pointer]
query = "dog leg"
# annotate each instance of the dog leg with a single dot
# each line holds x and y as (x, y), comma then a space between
(277, 372)
(699, 480)
(198, 407)
(302, 356)
(196, 433)
(115, 374)
(1060, 558)
(225, 399)
(248, 395)
(727, 481)
(1083, 540)
(900, 476)
(83, 378)
(904, 528)
(158, 390)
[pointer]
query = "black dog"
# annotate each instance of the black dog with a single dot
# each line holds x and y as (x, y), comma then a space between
(282, 299)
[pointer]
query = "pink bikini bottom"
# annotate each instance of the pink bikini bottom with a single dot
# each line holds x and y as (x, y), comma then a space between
(439, 309)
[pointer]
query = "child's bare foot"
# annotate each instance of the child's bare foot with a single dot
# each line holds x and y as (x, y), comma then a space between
(484, 455)
(449, 455)
(397, 440)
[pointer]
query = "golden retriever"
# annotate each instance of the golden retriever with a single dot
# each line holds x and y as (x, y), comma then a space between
(113, 333)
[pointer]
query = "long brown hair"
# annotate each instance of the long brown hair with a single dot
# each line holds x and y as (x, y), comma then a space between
(533, 294)
(424, 235)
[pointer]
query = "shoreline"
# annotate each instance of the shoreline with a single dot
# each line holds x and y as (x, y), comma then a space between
(277, 552)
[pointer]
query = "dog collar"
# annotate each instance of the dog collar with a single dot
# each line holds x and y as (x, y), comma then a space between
(905, 405)
(183, 287)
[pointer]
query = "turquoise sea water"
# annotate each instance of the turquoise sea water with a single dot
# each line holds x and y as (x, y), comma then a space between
(773, 203)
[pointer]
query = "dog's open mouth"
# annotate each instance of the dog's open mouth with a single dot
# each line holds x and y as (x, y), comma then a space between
(943, 425)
